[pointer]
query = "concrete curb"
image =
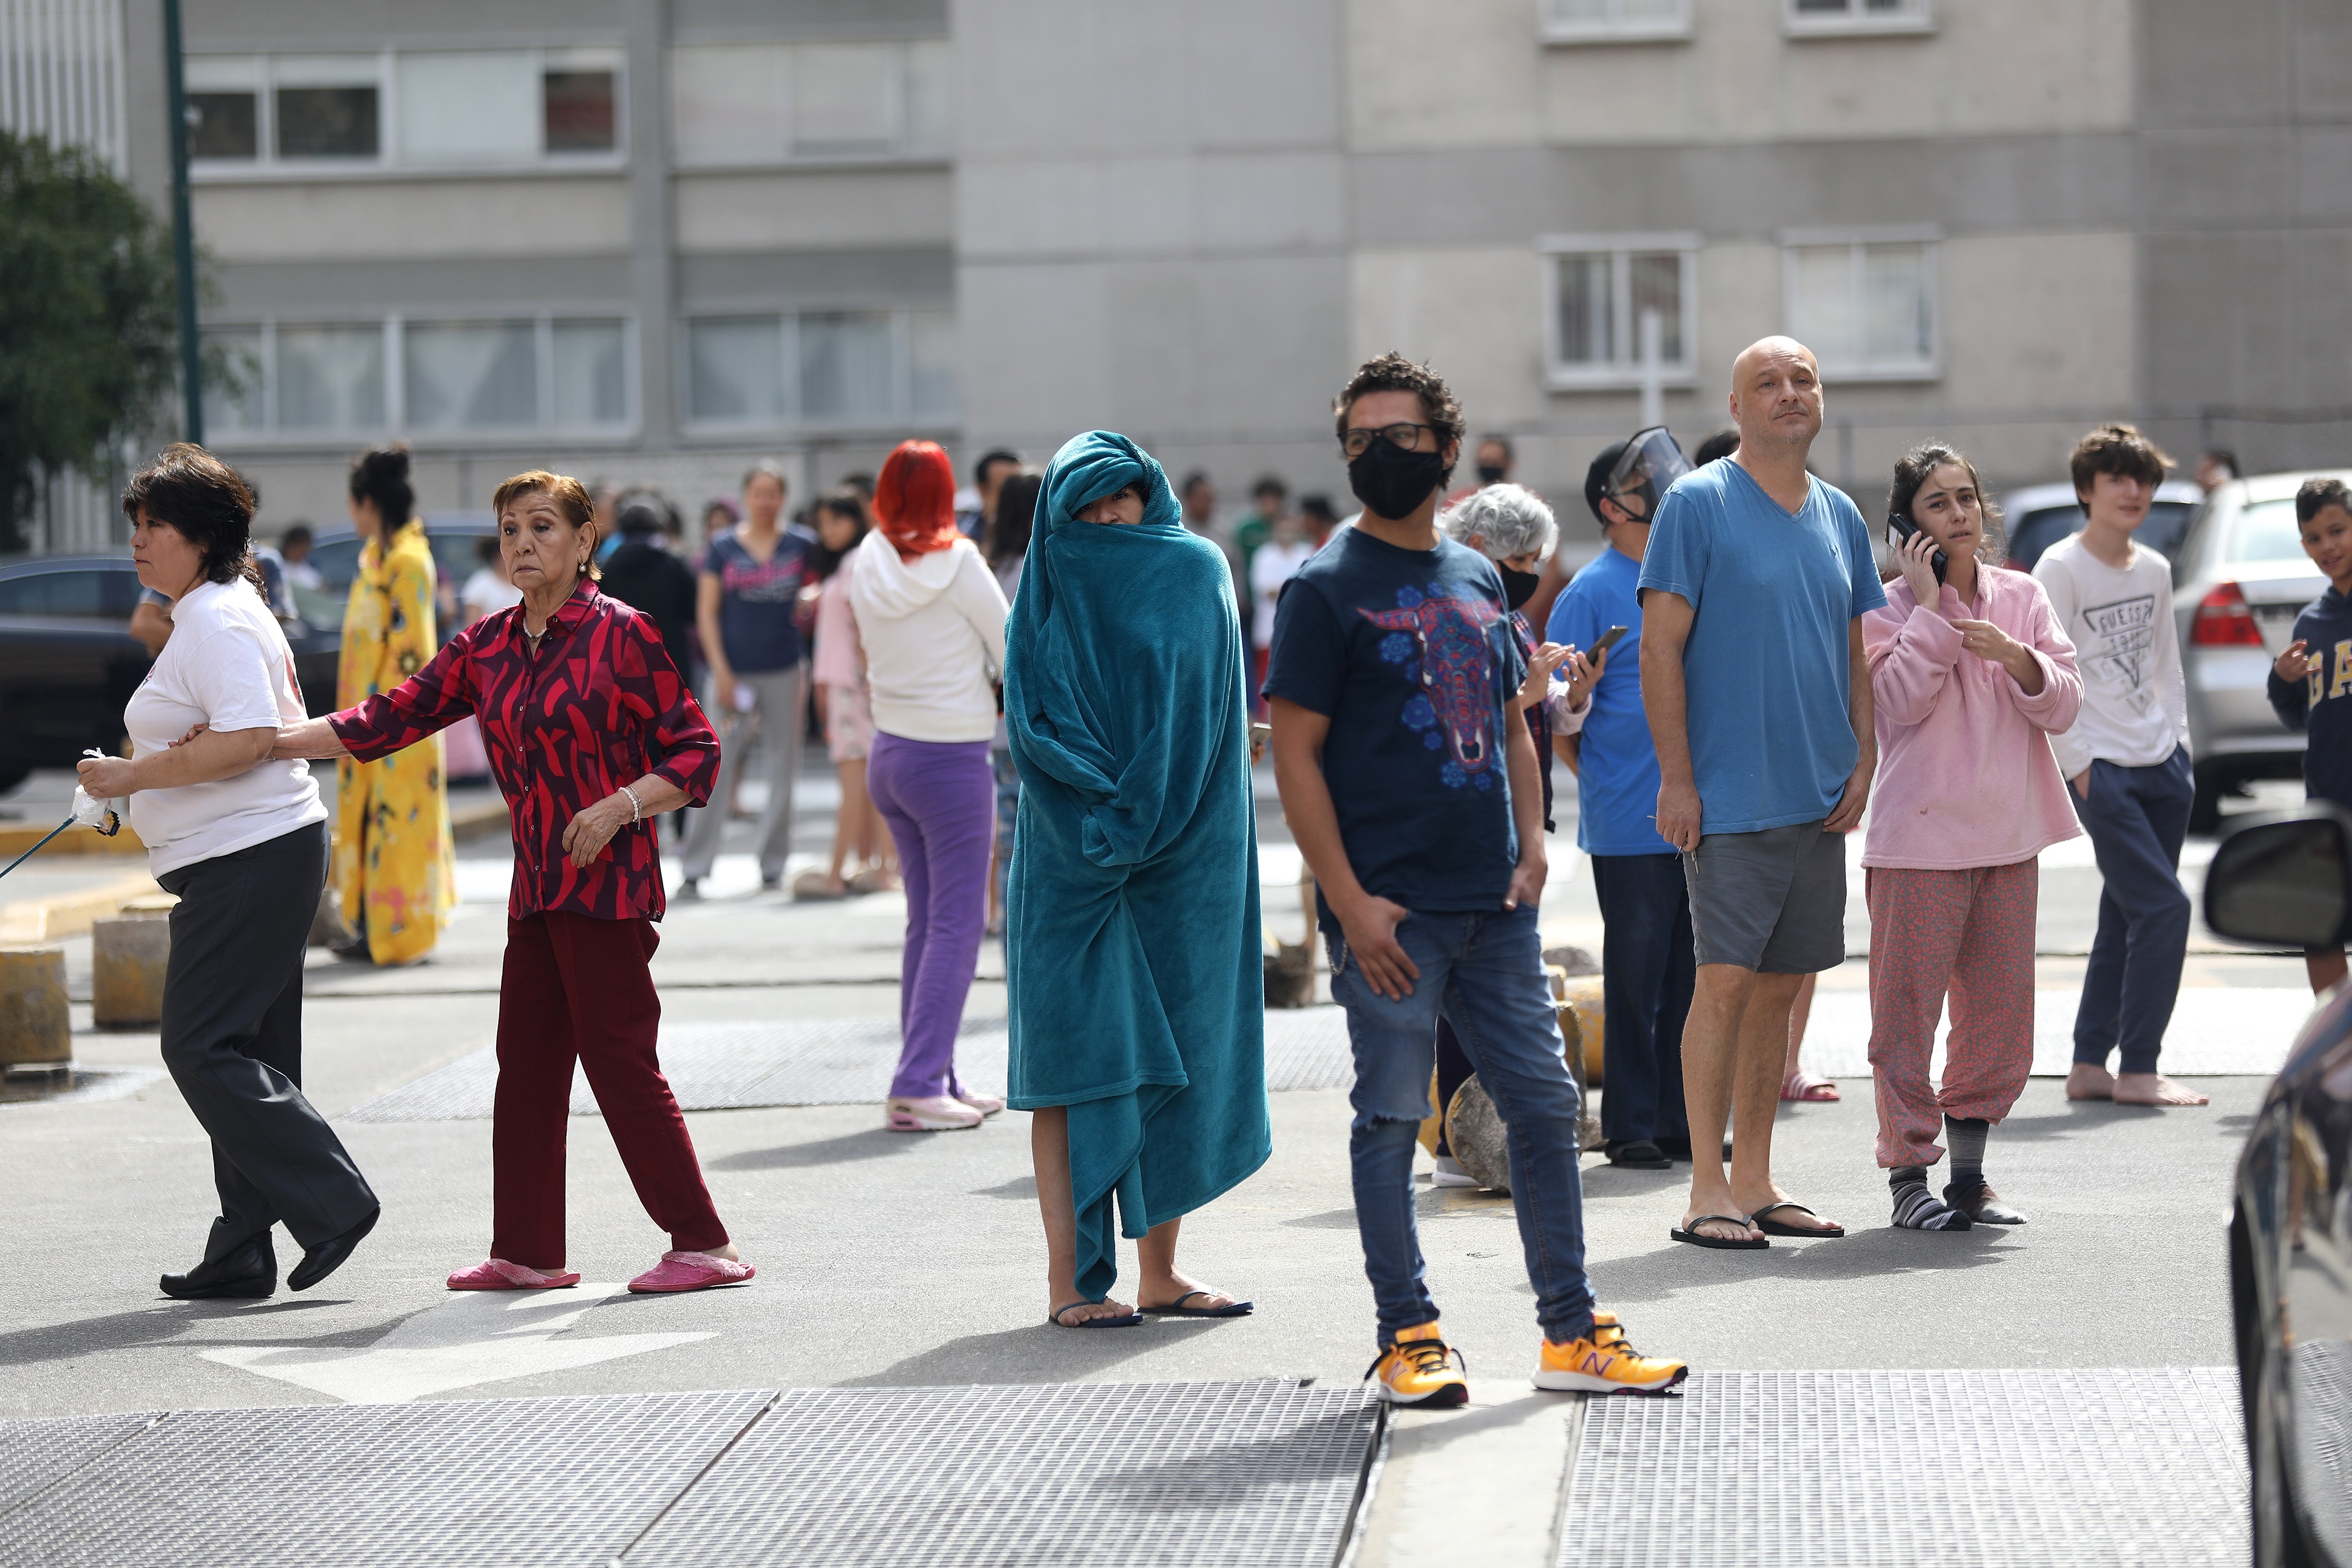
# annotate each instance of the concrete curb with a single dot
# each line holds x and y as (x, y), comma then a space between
(14, 841)
(35, 920)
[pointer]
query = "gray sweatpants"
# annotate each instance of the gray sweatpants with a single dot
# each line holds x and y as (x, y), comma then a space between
(233, 1039)
(778, 709)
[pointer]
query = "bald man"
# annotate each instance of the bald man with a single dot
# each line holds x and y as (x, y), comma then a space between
(1753, 589)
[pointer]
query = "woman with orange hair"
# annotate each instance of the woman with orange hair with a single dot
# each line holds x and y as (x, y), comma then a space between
(930, 617)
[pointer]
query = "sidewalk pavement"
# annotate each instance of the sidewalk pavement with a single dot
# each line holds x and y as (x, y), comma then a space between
(890, 1262)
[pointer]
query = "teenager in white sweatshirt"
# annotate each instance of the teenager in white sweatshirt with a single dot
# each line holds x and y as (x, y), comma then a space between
(930, 617)
(2127, 759)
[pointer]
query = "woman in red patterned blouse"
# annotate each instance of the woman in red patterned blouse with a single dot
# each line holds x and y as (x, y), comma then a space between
(591, 734)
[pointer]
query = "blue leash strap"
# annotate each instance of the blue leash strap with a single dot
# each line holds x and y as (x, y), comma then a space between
(28, 855)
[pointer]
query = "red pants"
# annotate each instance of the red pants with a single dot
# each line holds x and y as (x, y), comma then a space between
(1971, 933)
(579, 987)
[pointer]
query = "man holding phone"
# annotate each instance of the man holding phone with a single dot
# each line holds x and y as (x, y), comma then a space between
(1646, 955)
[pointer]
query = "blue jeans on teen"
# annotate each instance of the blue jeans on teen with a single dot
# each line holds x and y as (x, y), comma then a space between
(2137, 817)
(1483, 974)
(1648, 966)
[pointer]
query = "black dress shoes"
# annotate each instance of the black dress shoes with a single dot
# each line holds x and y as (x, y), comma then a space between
(328, 1255)
(1637, 1155)
(248, 1274)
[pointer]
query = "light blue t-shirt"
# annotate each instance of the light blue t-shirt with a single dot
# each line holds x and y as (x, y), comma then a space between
(1766, 664)
(1617, 768)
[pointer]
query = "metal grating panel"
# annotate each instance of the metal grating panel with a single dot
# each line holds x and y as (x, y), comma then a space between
(510, 1481)
(2144, 1467)
(1097, 1474)
(37, 1455)
(828, 1061)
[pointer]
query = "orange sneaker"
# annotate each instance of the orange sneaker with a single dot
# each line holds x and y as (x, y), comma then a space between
(1420, 1368)
(1602, 1362)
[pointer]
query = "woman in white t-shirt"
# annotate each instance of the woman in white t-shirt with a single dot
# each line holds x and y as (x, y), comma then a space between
(242, 840)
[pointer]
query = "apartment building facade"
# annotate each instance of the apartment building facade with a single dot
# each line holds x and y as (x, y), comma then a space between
(650, 240)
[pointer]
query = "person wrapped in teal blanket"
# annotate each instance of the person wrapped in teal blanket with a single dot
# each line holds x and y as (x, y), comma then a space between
(1133, 948)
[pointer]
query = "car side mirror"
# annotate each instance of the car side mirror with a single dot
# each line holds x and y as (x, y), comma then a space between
(2283, 882)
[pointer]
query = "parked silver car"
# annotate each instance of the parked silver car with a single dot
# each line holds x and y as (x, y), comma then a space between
(2038, 515)
(2238, 582)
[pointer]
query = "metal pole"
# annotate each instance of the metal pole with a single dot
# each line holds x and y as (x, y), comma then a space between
(184, 233)
(1653, 368)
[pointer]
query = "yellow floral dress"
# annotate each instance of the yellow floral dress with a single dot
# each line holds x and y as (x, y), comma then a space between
(394, 860)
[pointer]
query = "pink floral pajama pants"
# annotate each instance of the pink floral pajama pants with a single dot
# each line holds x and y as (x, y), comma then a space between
(1970, 934)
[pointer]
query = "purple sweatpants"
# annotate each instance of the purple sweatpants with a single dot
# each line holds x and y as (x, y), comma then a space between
(940, 799)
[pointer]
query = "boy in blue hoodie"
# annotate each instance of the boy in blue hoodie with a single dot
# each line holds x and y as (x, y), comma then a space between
(2311, 684)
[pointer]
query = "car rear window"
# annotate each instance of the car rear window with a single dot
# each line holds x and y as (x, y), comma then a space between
(2037, 530)
(2264, 531)
(85, 593)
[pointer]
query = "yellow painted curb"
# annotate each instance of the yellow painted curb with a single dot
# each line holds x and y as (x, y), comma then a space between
(14, 841)
(34, 920)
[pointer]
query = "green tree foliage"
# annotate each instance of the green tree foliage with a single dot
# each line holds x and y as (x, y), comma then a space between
(88, 319)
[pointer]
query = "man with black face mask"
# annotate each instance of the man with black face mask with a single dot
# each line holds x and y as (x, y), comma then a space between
(1412, 786)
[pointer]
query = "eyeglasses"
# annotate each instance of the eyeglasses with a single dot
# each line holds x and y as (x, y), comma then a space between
(1354, 443)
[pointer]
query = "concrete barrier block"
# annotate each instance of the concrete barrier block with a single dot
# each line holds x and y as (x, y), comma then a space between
(36, 1025)
(129, 955)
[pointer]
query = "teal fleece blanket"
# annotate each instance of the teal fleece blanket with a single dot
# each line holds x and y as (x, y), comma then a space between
(1133, 948)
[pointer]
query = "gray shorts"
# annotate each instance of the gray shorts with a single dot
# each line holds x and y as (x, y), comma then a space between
(1771, 900)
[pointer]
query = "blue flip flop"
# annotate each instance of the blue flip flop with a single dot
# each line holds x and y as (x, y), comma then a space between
(1177, 1309)
(1128, 1322)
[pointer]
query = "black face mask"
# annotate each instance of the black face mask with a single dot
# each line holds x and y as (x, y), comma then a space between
(1518, 587)
(1392, 482)
(1491, 473)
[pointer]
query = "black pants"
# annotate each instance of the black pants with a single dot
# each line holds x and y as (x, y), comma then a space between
(1648, 966)
(233, 1040)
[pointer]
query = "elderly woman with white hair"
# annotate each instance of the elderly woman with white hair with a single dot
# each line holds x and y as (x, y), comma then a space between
(1511, 526)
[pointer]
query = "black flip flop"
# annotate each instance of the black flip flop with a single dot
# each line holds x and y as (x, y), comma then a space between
(1775, 1228)
(1128, 1322)
(1177, 1309)
(1637, 1155)
(1694, 1236)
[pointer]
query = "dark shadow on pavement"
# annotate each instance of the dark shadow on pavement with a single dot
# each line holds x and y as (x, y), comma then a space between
(1023, 1187)
(167, 1322)
(1677, 1269)
(1040, 1353)
(874, 1143)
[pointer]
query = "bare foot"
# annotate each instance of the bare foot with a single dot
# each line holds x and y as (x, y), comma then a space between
(2087, 1082)
(1167, 1293)
(1078, 1312)
(1794, 1218)
(2154, 1089)
(1717, 1227)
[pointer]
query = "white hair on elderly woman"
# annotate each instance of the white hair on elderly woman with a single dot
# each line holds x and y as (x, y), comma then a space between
(1506, 521)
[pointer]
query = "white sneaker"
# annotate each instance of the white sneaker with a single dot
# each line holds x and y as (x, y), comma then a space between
(986, 1104)
(1451, 1173)
(934, 1113)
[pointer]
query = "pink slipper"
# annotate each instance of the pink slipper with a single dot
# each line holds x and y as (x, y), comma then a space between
(1804, 1085)
(680, 1272)
(497, 1274)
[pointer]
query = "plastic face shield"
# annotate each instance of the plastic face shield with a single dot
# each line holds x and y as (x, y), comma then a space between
(1652, 462)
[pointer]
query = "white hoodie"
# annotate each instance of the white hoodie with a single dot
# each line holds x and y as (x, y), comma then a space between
(933, 631)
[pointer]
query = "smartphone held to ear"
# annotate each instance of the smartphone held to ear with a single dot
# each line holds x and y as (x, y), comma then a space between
(1900, 530)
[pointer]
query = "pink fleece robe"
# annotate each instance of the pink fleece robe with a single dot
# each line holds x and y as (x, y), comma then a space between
(1965, 773)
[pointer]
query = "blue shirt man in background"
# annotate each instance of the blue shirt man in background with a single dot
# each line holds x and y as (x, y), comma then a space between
(1758, 694)
(1646, 958)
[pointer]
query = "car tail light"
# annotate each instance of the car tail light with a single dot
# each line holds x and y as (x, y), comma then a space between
(2224, 622)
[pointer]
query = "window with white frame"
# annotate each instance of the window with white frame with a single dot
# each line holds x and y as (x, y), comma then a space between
(1827, 17)
(1865, 304)
(739, 105)
(1614, 21)
(545, 373)
(820, 368)
(1598, 288)
(419, 110)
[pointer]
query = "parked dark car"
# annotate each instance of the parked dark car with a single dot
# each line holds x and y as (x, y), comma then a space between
(2286, 882)
(454, 537)
(68, 663)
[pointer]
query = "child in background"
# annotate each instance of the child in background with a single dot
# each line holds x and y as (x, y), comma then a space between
(843, 708)
(2308, 692)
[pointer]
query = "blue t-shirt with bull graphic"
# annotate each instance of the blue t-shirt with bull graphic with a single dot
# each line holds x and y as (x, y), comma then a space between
(1411, 655)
